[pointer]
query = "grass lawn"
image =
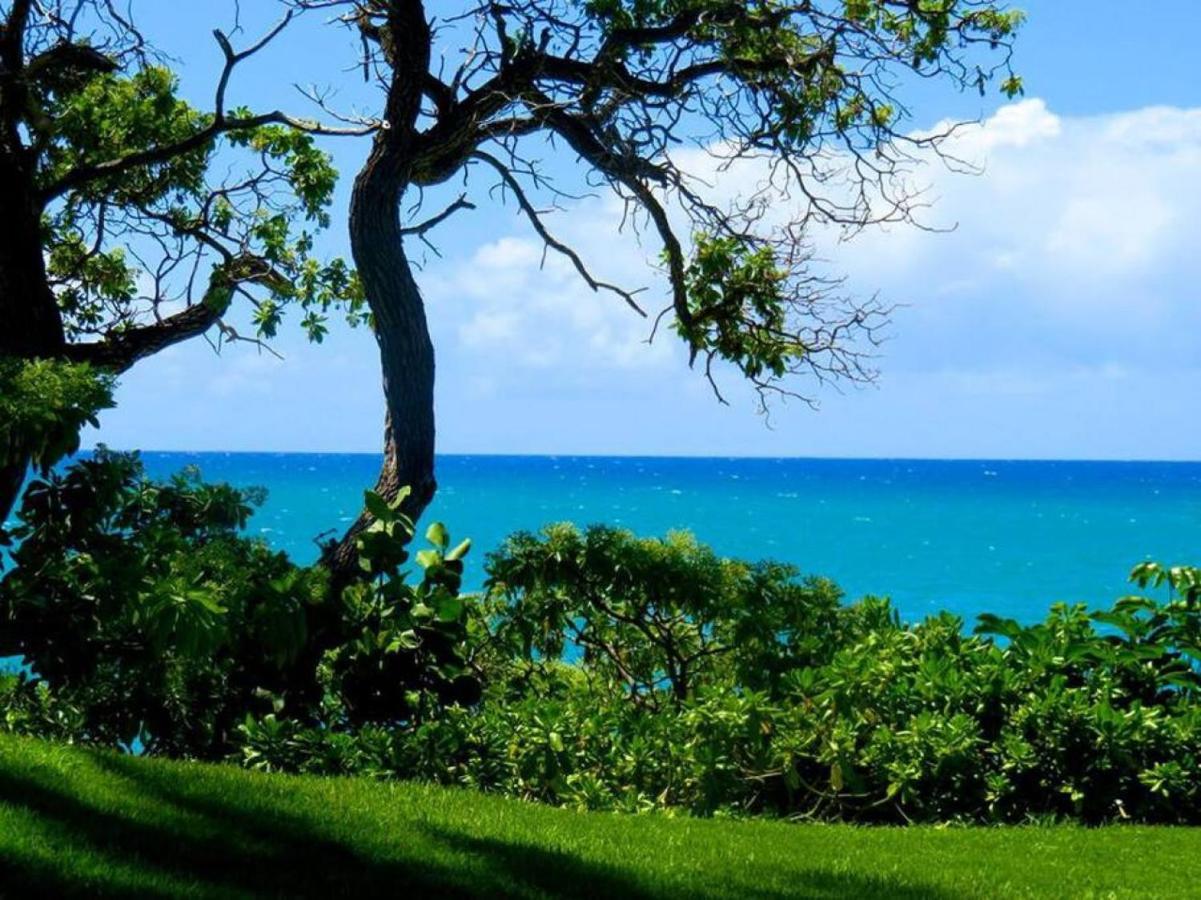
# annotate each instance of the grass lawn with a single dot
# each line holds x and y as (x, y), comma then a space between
(82, 822)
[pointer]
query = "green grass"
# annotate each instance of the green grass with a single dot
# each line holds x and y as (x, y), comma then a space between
(83, 822)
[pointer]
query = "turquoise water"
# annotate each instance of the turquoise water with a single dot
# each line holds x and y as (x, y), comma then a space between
(1006, 536)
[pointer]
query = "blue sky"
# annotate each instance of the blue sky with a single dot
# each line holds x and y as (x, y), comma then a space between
(1059, 319)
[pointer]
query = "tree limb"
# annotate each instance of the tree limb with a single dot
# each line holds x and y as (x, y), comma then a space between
(550, 240)
(119, 350)
(220, 124)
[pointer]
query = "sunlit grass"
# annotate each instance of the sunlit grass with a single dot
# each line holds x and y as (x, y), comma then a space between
(74, 821)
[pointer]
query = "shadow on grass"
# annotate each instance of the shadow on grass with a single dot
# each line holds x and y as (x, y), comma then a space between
(155, 833)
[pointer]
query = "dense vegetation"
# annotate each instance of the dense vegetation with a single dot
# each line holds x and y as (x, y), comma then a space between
(79, 823)
(157, 623)
(597, 670)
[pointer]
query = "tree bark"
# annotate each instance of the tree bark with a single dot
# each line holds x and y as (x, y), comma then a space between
(406, 351)
(30, 324)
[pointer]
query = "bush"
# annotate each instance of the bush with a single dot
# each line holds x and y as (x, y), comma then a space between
(663, 617)
(635, 674)
(146, 615)
(598, 670)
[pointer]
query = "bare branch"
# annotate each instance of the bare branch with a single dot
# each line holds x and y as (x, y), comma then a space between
(433, 222)
(554, 243)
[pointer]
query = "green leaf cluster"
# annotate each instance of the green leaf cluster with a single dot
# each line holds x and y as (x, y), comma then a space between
(406, 652)
(816, 66)
(739, 305)
(142, 607)
(43, 406)
(257, 193)
(145, 615)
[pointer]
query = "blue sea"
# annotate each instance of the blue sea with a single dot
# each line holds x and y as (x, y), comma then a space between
(1009, 537)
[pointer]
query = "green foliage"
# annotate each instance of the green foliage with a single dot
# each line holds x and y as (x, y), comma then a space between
(250, 225)
(30, 708)
(146, 617)
(813, 66)
(140, 605)
(404, 650)
(113, 114)
(739, 304)
(631, 674)
(43, 406)
(656, 615)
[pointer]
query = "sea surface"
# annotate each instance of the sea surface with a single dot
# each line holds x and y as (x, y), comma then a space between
(1009, 537)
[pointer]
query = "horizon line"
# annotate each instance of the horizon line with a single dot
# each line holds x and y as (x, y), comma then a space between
(680, 456)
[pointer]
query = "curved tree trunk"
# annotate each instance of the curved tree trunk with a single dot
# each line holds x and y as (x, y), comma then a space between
(30, 324)
(406, 351)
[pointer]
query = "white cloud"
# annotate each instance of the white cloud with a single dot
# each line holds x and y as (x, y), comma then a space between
(1075, 230)
(1070, 201)
(1015, 125)
(514, 301)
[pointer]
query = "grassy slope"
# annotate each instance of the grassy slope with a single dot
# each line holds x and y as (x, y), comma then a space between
(73, 821)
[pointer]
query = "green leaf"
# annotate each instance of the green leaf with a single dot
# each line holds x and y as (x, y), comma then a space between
(377, 506)
(459, 551)
(450, 608)
(406, 640)
(437, 535)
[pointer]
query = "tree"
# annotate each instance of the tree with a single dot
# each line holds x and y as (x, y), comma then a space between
(661, 618)
(118, 236)
(806, 87)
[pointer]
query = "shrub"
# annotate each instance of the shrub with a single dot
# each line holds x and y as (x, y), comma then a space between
(142, 609)
(631, 674)
(658, 616)
(599, 670)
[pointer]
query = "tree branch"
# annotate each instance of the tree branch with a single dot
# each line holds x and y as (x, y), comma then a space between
(120, 350)
(221, 124)
(581, 138)
(434, 221)
(550, 240)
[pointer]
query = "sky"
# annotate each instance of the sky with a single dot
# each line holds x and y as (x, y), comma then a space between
(1054, 313)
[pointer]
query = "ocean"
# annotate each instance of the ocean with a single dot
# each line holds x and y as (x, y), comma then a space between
(1009, 537)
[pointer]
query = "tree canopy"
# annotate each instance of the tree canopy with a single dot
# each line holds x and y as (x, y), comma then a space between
(812, 91)
(134, 219)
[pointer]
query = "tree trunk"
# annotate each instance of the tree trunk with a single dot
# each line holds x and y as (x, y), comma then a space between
(406, 351)
(30, 324)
